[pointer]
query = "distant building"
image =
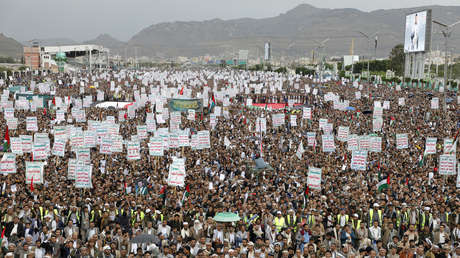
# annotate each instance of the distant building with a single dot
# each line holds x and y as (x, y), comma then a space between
(32, 57)
(43, 57)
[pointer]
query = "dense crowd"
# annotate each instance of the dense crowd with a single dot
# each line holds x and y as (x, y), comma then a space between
(416, 215)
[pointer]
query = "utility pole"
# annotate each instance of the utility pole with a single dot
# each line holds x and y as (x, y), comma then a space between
(369, 50)
(321, 45)
(446, 32)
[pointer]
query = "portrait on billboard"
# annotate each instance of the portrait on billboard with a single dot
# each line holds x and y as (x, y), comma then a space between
(415, 32)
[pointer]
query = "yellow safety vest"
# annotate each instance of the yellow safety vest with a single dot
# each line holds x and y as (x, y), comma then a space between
(93, 213)
(357, 224)
(340, 215)
(422, 224)
(294, 224)
(279, 223)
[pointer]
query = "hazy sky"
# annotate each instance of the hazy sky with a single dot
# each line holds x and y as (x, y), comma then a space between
(85, 19)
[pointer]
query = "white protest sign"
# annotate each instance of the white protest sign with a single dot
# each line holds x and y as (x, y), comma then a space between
(191, 114)
(83, 175)
(26, 141)
(364, 142)
(293, 120)
(377, 123)
(278, 120)
(314, 178)
(352, 142)
(435, 103)
(133, 150)
(342, 134)
(449, 146)
(31, 124)
(204, 140)
(430, 145)
(306, 113)
(376, 144)
(16, 145)
(71, 165)
(402, 141)
(176, 176)
(59, 147)
(8, 164)
(156, 146)
(34, 170)
(311, 139)
(183, 139)
(39, 151)
(328, 143)
(447, 164)
(106, 145)
(359, 160)
(117, 143)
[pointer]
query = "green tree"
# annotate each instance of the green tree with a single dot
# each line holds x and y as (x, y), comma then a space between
(397, 59)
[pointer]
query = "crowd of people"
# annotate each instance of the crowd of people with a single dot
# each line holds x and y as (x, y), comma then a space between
(131, 211)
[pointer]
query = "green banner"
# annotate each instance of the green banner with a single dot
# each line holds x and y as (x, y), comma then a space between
(185, 104)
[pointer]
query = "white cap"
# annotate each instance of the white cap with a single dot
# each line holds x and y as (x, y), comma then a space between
(376, 205)
(106, 248)
(147, 210)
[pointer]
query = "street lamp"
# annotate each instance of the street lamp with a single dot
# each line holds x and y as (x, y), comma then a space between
(446, 32)
(321, 45)
(369, 49)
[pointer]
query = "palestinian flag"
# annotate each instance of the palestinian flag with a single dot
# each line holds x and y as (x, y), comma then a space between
(422, 159)
(383, 184)
(186, 194)
(212, 104)
(6, 144)
(305, 196)
(163, 192)
(3, 234)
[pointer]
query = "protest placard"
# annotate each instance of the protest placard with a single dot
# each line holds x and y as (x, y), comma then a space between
(59, 147)
(359, 160)
(71, 165)
(314, 178)
(430, 145)
(31, 124)
(83, 175)
(306, 114)
(204, 141)
(34, 169)
(447, 164)
(311, 139)
(278, 120)
(293, 120)
(133, 150)
(342, 134)
(328, 143)
(449, 146)
(106, 145)
(183, 139)
(435, 103)
(8, 164)
(176, 176)
(402, 141)
(16, 145)
(376, 144)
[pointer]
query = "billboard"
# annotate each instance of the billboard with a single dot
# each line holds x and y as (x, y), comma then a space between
(185, 104)
(417, 36)
(267, 52)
